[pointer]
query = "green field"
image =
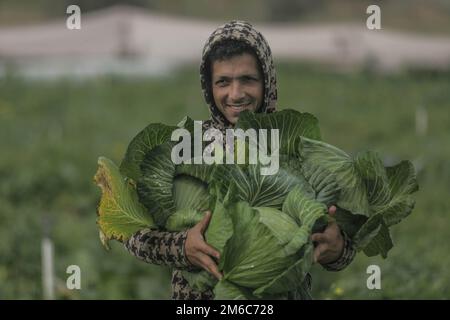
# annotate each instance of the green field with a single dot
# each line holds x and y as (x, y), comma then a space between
(51, 134)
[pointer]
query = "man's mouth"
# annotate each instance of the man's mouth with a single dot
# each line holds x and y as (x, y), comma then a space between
(238, 107)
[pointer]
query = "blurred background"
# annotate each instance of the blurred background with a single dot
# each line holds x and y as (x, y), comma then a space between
(70, 96)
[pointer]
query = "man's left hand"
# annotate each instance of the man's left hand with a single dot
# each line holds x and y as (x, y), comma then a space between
(329, 244)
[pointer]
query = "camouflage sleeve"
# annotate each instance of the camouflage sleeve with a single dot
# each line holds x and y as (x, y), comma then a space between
(346, 258)
(159, 247)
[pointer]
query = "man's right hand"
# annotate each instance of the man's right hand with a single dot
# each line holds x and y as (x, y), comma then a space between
(198, 252)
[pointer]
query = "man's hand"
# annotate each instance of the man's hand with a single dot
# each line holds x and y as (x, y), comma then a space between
(330, 243)
(198, 252)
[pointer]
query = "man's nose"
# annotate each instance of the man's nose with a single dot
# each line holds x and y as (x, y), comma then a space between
(236, 91)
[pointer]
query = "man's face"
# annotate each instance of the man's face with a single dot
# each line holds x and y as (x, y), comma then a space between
(237, 85)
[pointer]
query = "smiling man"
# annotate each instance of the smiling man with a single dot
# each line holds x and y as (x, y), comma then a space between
(236, 74)
(237, 85)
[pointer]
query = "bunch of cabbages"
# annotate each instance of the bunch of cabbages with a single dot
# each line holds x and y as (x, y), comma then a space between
(261, 224)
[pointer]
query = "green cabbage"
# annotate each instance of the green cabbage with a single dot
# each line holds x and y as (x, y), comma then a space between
(261, 225)
(120, 214)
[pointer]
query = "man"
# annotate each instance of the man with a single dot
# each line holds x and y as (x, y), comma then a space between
(236, 74)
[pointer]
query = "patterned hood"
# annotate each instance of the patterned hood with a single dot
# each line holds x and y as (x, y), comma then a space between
(239, 30)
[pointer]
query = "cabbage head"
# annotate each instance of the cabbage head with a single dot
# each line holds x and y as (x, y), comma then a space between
(261, 225)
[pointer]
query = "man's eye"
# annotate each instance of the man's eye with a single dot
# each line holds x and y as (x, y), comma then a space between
(221, 83)
(249, 79)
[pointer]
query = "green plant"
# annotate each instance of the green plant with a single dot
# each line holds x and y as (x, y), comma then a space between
(261, 224)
